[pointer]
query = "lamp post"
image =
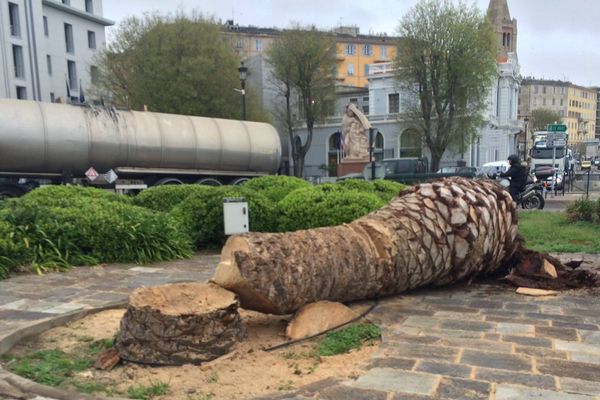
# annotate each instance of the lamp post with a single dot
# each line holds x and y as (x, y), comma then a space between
(243, 70)
(526, 120)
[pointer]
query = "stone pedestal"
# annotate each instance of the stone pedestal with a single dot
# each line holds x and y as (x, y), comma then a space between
(351, 167)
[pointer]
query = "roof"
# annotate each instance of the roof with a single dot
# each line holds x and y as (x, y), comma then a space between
(498, 12)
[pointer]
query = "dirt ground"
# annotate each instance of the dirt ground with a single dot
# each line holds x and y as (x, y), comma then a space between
(245, 372)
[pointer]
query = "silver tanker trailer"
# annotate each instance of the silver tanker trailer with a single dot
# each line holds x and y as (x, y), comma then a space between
(56, 143)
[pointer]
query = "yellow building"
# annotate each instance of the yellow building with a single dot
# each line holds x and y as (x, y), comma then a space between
(581, 114)
(354, 51)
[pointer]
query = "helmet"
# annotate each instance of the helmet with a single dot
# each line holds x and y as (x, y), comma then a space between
(514, 159)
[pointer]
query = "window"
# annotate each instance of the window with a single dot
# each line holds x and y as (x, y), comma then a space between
(21, 93)
(92, 40)
(52, 97)
(365, 108)
(49, 64)
(18, 62)
(553, 102)
(46, 26)
(239, 44)
(394, 103)
(350, 69)
(561, 102)
(258, 45)
(383, 51)
(94, 74)
(13, 16)
(544, 89)
(366, 69)
(350, 49)
(544, 101)
(367, 50)
(72, 75)
(69, 38)
(89, 6)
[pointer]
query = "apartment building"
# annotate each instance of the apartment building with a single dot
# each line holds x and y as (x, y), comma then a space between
(576, 105)
(354, 52)
(48, 48)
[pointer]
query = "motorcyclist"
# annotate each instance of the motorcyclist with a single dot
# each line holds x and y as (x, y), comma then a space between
(517, 174)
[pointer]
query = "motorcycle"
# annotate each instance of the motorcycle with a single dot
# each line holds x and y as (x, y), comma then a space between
(532, 196)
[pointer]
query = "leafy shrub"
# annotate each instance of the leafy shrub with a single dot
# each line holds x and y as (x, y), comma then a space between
(166, 197)
(276, 187)
(201, 213)
(84, 229)
(60, 195)
(324, 205)
(12, 251)
(581, 210)
(385, 189)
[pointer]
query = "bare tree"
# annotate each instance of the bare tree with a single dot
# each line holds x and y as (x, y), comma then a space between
(446, 63)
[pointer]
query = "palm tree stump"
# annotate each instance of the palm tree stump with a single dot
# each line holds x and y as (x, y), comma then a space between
(178, 324)
(432, 234)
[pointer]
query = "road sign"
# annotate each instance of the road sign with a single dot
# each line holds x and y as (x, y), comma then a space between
(91, 174)
(557, 128)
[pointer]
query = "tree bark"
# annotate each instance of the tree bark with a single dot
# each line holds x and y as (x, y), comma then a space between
(178, 324)
(432, 234)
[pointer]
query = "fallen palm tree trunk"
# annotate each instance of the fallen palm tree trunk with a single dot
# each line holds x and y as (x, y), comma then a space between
(432, 234)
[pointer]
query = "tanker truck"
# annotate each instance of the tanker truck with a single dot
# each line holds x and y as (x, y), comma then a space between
(49, 143)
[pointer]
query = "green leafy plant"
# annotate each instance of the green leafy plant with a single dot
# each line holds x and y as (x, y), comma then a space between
(346, 339)
(324, 205)
(147, 392)
(276, 188)
(201, 214)
(582, 210)
(49, 367)
(164, 198)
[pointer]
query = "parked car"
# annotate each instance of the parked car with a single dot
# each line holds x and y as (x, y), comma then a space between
(586, 164)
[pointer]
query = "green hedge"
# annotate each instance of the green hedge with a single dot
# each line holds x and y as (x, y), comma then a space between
(61, 226)
(166, 197)
(201, 214)
(385, 190)
(276, 187)
(324, 205)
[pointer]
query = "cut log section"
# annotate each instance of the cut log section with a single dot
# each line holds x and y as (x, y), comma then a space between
(432, 234)
(318, 317)
(178, 324)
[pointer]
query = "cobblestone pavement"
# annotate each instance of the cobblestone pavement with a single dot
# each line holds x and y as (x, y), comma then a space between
(465, 342)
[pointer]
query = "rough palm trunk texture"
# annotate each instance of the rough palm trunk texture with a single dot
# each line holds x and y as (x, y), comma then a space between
(435, 233)
(178, 324)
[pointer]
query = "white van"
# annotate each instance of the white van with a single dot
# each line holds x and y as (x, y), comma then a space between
(494, 168)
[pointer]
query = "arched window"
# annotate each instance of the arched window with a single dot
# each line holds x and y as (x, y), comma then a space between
(504, 39)
(410, 144)
(508, 40)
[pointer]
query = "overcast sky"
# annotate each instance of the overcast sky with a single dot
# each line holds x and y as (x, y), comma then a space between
(557, 39)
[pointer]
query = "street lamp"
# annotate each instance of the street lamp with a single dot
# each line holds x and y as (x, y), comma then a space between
(526, 120)
(243, 74)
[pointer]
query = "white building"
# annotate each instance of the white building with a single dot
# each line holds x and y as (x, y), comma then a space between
(49, 45)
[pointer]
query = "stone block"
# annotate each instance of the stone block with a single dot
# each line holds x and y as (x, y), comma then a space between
(569, 369)
(541, 353)
(556, 333)
(520, 378)
(454, 388)
(496, 360)
(509, 328)
(391, 362)
(447, 369)
(572, 385)
(343, 392)
(423, 351)
(577, 347)
(393, 380)
(465, 325)
(528, 341)
(505, 392)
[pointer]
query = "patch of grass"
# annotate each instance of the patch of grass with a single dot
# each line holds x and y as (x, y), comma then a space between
(145, 392)
(213, 377)
(98, 346)
(90, 387)
(289, 385)
(48, 367)
(346, 339)
(552, 232)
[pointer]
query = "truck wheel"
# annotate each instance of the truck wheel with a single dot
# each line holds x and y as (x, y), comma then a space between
(8, 191)
(208, 182)
(168, 181)
(239, 181)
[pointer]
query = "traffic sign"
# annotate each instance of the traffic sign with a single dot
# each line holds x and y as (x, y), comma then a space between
(557, 128)
(111, 176)
(91, 174)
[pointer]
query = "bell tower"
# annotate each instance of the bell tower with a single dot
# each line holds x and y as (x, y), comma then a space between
(505, 28)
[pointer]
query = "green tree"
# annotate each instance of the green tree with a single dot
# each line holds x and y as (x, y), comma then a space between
(540, 118)
(173, 64)
(445, 63)
(303, 61)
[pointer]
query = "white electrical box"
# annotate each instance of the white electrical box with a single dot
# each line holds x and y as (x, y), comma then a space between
(235, 215)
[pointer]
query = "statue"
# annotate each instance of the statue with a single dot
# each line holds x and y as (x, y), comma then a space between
(356, 141)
